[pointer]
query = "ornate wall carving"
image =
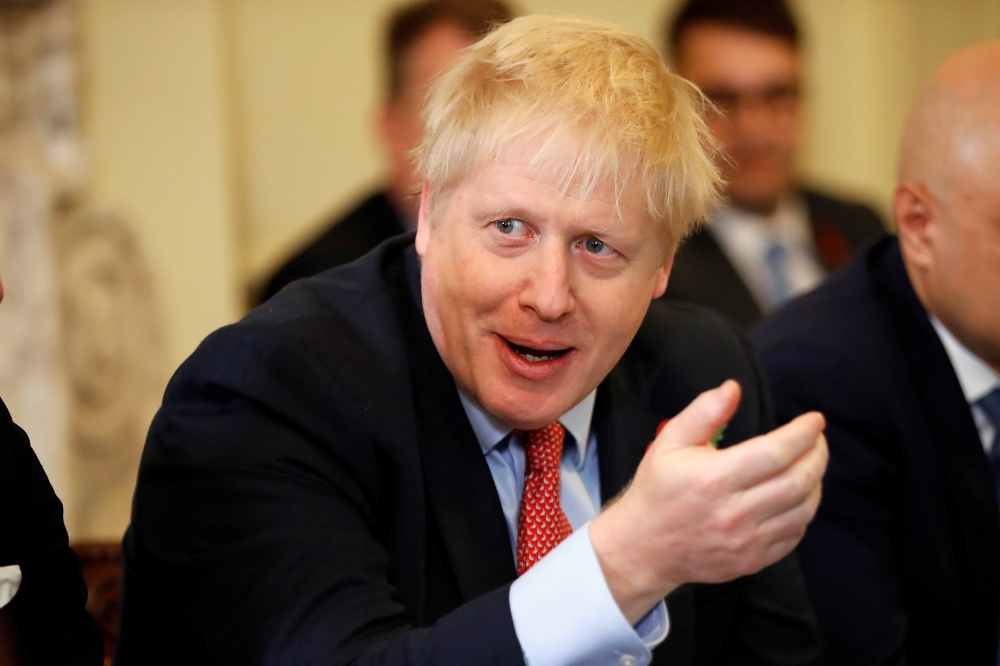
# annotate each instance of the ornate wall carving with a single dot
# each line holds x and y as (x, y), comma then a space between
(81, 359)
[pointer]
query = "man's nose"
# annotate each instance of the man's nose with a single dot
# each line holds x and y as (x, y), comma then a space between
(547, 288)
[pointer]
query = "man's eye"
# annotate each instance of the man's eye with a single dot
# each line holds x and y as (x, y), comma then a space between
(595, 245)
(509, 226)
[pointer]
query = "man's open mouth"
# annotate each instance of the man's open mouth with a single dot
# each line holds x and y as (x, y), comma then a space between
(535, 355)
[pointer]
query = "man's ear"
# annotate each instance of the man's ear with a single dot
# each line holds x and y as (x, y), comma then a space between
(423, 223)
(917, 215)
(663, 275)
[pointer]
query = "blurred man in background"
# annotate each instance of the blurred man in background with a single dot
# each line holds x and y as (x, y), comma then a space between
(901, 352)
(772, 240)
(421, 41)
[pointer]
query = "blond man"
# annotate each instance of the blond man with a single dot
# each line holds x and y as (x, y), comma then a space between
(405, 460)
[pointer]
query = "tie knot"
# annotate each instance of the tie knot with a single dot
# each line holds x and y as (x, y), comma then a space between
(544, 446)
(990, 403)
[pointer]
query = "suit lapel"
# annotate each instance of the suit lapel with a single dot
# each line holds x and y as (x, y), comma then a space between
(460, 488)
(624, 429)
(832, 246)
(970, 480)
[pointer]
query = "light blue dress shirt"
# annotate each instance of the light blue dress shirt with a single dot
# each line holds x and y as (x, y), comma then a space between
(562, 608)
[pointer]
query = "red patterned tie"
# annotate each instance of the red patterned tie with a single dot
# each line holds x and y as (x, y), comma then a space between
(542, 525)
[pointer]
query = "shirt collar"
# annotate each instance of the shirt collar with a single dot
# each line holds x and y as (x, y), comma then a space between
(975, 376)
(737, 227)
(490, 430)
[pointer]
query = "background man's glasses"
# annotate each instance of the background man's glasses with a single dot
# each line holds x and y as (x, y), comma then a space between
(777, 99)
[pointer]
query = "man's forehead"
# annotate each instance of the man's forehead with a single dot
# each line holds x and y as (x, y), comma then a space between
(720, 54)
(511, 185)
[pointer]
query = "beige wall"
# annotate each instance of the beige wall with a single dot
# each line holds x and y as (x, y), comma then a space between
(309, 80)
(865, 61)
(226, 130)
(156, 127)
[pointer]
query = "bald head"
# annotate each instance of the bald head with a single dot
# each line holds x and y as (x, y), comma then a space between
(947, 201)
(954, 126)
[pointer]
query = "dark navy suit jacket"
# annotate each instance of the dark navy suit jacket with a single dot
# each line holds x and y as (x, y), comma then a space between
(312, 491)
(903, 560)
(49, 609)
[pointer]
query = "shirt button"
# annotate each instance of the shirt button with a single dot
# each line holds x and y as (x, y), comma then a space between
(627, 660)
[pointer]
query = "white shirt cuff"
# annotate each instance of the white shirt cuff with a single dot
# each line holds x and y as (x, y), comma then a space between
(10, 580)
(564, 613)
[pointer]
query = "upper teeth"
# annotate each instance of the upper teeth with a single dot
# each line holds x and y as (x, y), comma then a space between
(535, 359)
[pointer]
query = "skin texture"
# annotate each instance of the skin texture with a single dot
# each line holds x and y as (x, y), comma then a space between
(398, 125)
(692, 514)
(536, 285)
(754, 80)
(947, 202)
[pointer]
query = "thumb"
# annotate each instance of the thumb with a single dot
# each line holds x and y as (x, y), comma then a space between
(701, 419)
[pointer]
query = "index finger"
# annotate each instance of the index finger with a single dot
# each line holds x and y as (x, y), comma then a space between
(759, 459)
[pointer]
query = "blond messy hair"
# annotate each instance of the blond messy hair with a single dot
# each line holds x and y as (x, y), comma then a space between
(538, 81)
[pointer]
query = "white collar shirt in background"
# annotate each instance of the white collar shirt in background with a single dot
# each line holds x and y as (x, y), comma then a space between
(10, 581)
(747, 238)
(976, 378)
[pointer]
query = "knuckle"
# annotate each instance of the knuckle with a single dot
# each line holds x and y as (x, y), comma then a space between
(728, 524)
(706, 485)
(800, 486)
(739, 541)
(772, 458)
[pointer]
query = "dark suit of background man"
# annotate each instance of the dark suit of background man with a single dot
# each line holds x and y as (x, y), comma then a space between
(421, 40)
(386, 463)
(772, 239)
(46, 621)
(901, 352)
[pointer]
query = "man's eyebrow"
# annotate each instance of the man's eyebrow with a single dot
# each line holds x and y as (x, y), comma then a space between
(502, 212)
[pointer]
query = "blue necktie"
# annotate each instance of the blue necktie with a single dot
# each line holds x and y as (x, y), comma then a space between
(776, 258)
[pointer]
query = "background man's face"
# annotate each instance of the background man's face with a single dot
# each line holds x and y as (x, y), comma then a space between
(754, 79)
(400, 127)
(533, 294)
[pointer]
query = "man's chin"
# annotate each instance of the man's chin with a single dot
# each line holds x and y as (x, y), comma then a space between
(758, 201)
(527, 411)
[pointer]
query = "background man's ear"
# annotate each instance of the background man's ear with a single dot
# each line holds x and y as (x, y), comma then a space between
(664, 276)
(916, 214)
(423, 229)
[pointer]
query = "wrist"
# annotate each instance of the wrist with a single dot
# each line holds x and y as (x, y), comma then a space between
(634, 581)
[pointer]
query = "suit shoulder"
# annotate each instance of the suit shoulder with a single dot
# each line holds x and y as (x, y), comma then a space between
(673, 322)
(339, 324)
(843, 317)
(689, 344)
(369, 223)
(837, 206)
(342, 240)
(858, 221)
(682, 350)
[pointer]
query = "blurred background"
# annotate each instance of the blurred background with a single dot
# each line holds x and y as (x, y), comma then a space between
(160, 158)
